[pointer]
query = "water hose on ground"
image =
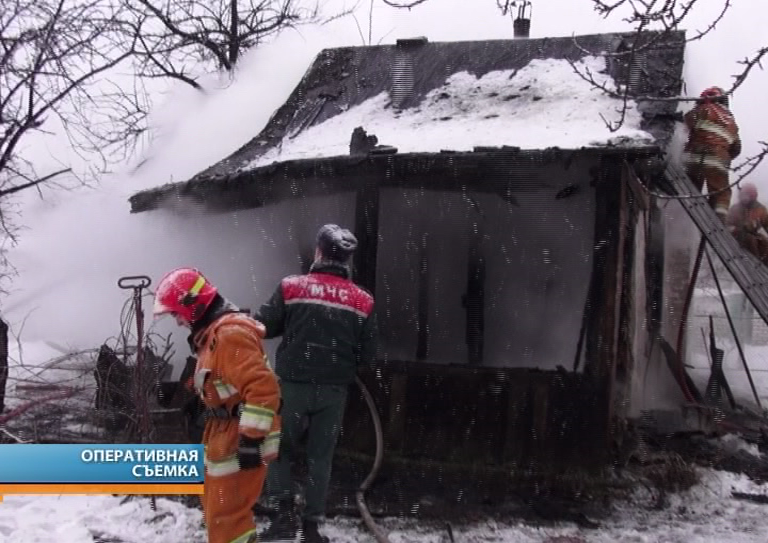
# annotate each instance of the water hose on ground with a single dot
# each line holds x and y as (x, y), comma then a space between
(377, 532)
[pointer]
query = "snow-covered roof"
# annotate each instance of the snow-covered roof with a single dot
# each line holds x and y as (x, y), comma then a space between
(465, 95)
(544, 104)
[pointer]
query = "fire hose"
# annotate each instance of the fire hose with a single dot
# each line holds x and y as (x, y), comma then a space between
(376, 530)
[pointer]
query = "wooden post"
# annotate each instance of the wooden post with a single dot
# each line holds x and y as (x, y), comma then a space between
(624, 361)
(367, 232)
(603, 332)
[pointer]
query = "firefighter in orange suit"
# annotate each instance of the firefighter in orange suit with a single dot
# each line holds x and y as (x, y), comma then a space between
(242, 397)
(748, 222)
(713, 142)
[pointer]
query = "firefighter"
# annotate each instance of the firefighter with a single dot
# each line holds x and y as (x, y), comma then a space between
(328, 328)
(713, 142)
(748, 222)
(241, 394)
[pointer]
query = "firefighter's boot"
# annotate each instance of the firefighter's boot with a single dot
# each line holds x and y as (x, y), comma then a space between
(310, 533)
(283, 527)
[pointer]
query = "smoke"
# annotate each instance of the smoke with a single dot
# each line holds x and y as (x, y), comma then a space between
(77, 244)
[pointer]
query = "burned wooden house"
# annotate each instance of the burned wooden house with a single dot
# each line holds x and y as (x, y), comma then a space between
(518, 267)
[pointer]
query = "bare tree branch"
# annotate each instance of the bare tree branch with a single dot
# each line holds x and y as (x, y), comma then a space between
(34, 182)
(184, 39)
(53, 56)
(668, 15)
(748, 64)
(403, 5)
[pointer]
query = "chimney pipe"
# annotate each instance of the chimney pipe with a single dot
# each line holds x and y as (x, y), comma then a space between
(522, 23)
(403, 77)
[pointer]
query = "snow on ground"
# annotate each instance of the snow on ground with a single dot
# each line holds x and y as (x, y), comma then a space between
(705, 514)
(545, 104)
(85, 519)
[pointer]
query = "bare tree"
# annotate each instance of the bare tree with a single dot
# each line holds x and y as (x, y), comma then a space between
(59, 64)
(187, 38)
(53, 54)
(665, 17)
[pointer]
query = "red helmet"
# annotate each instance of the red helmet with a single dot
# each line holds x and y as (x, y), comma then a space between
(712, 93)
(185, 292)
(747, 193)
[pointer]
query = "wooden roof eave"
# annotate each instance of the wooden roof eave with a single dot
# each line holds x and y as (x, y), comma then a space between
(487, 170)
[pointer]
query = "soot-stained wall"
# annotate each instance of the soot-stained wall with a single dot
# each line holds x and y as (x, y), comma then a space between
(537, 249)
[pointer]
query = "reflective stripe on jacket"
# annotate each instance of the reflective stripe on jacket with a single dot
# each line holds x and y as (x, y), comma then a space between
(712, 131)
(231, 370)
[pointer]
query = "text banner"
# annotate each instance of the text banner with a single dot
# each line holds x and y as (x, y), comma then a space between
(68, 464)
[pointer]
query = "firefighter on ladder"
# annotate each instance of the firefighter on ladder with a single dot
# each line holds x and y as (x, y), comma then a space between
(748, 222)
(713, 142)
(242, 396)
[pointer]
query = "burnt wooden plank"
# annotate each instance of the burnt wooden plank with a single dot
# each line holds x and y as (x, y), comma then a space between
(474, 299)
(398, 406)
(614, 307)
(422, 317)
(603, 328)
(526, 419)
(502, 172)
(639, 193)
(629, 291)
(540, 405)
(516, 393)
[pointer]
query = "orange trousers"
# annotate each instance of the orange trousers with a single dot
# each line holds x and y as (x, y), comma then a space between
(716, 180)
(230, 492)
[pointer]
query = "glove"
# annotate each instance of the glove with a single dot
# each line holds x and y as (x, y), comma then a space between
(249, 452)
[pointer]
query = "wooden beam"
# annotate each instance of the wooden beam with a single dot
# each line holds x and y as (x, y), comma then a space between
(624, 361)
(501, 171)
(609, 244)
(639, 193)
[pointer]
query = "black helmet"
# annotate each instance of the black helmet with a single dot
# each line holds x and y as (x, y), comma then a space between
(336, 243)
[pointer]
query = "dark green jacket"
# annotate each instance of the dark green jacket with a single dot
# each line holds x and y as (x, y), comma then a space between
(327, 324)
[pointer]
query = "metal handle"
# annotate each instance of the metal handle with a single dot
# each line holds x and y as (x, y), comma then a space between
(134, 281)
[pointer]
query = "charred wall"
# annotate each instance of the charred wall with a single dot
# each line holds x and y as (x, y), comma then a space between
(531, 420)
(514, 269)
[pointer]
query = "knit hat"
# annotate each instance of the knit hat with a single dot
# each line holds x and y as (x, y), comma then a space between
(336, 243)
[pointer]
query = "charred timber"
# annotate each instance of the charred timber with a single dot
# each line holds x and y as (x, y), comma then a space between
(499, 171)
